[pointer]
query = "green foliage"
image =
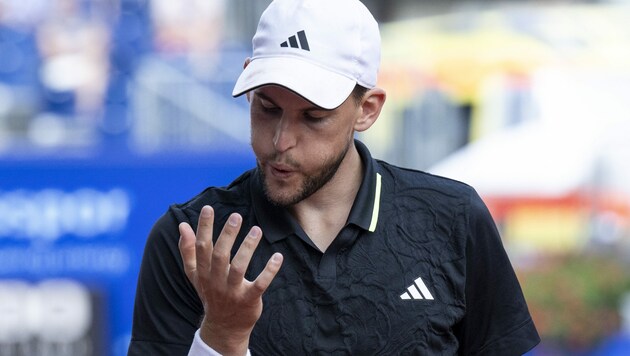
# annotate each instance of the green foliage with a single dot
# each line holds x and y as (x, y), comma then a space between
(574, 299)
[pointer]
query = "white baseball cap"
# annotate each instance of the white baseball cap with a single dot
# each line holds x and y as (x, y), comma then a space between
(320, 49)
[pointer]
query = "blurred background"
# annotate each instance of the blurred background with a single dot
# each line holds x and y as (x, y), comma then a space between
(110, 110)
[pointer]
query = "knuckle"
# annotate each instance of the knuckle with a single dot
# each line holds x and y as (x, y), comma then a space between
(259, 286)
(230, 230)
(201, 245)
(250, 243)
(220, 257)
(238, 270)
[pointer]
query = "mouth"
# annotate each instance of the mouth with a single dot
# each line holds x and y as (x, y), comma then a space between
(281, 171)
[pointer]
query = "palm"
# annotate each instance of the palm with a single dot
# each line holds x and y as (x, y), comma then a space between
(232, 304)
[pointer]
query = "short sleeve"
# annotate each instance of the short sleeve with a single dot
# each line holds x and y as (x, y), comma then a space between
(497, 320)
(167, 310)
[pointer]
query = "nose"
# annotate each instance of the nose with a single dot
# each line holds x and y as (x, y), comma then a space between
(285, 136)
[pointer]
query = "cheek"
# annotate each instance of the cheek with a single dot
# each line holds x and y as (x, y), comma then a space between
(260, 134)
(258, 145)
(320, 154)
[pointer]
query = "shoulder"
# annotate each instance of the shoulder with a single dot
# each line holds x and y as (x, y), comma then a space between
(234, 197)
(415, 196)
(412, 182)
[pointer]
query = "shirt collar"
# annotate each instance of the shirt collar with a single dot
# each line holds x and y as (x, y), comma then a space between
(277, 223)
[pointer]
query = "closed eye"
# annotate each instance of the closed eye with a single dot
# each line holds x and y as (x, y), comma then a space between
(315, 115)
(312, 118)
(268, 107)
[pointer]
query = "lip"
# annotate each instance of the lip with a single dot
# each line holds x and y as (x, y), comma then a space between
(280, 170)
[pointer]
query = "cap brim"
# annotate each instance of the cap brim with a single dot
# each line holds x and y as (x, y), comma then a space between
(316, 84)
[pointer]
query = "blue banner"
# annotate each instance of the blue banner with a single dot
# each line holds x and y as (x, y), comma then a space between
(72, 233)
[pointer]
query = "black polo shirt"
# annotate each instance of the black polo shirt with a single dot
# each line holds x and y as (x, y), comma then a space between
(419, 268)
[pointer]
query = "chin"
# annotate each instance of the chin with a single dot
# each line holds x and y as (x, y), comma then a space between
(283, 197)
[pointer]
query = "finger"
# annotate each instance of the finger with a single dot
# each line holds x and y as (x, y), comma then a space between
(187, 249)
(203, 241)
(264, 279)
(241, 260)
(223, 247)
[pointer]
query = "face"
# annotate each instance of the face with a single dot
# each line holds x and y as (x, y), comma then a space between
(299, 146)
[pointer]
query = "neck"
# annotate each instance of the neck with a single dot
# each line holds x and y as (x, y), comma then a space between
(324, 214)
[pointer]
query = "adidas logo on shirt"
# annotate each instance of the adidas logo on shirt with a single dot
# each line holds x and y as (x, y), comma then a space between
(293, 41)
(417, 291)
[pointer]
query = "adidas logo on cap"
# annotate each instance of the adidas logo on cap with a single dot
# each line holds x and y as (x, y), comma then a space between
(293, 41)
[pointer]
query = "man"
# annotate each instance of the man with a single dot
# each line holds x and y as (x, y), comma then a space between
(322, 249)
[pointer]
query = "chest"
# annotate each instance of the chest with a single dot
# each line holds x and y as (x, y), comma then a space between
(386, 293)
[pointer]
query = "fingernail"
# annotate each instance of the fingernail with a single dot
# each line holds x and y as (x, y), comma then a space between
(254, 233)
(233, 220)
(205, 211)
(276, 258)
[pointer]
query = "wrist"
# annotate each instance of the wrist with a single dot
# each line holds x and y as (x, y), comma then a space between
(225, 342)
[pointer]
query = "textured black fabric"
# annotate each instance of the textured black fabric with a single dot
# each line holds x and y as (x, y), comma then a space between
(348, 299)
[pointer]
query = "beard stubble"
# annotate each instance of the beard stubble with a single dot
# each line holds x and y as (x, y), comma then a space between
(310, 184)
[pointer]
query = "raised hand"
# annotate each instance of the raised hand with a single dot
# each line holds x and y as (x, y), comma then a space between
(232, 304)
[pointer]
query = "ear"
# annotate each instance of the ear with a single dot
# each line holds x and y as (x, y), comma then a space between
(370, 108)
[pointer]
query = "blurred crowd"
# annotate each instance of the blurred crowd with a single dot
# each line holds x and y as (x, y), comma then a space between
(66, 66)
